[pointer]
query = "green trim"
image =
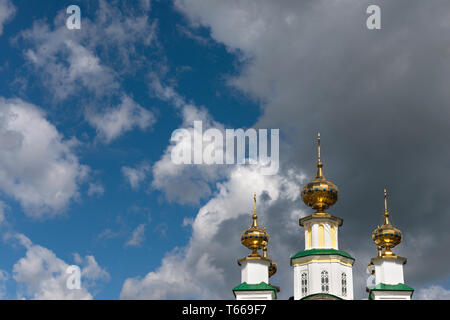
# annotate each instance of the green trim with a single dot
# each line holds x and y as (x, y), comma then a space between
(262, 286)
(314, 252)
(392, 287)
(244, 286)
(323, 295)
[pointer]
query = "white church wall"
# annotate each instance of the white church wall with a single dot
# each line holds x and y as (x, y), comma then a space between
(254, 295)
(391, 295)
(255, 271)
(314, 270)
(388, 271)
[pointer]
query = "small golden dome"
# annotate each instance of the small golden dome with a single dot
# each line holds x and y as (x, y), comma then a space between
(386, 236)
(273, 265)
(254, 237)
(320, 193)
(272, 268)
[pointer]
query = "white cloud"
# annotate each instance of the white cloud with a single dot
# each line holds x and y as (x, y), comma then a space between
(171, 280)
(161, 228)
(42, 275)
(64, 64)
(108, 234)
(95, 189)
(135, 176)
(90, 64)
(206, 268)
(187, 221)
(92, 270)
(69, 62)
(113, 122)
(120, 31)
(188, 33)
(7, 12)
(4, 276)
(137, 237)
(146, 5)
(3, 206)
(185, 184)
(166, 93)
(252, 19)
(38, 167)
(433, 292)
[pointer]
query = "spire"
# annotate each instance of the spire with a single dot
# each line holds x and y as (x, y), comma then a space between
(255, 216)
(318, 145)
(386, 212)
(319, 163)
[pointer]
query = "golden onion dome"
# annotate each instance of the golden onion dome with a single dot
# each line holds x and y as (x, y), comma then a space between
(386, 236)
(254, 237)
(273, 265)
(320, 193)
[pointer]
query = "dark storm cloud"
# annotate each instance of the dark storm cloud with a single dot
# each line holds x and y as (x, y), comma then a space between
(380, 99)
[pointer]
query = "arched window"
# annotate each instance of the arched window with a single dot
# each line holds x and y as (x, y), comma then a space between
(304, 284)
(324, 281)
(344, 284)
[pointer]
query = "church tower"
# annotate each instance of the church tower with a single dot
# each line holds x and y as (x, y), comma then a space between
(256, 269)
(321, 271)
(386, 266)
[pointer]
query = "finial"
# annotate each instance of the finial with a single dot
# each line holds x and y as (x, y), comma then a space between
(386, 212)
(318, 144)
(265, 251)
(255, 216)
(319, 162)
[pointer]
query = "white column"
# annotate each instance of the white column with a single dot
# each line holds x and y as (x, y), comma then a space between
(327, 235)
(315, 235)
(306, 237)
(337, 238)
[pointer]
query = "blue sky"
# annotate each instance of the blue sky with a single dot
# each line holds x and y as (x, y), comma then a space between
(86, 118)
(199, 73)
